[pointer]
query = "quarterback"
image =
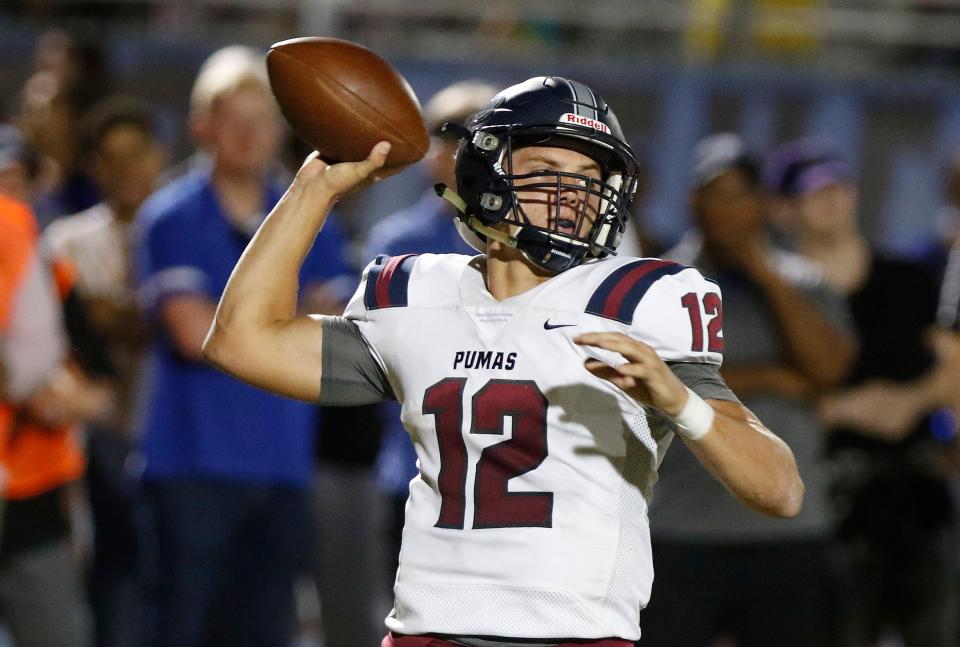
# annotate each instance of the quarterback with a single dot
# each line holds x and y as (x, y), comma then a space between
(541, 381)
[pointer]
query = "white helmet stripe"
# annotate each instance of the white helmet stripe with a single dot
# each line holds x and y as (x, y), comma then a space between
(573, 93)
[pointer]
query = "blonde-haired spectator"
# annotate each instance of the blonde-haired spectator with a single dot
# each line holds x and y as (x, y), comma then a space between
(227, 466)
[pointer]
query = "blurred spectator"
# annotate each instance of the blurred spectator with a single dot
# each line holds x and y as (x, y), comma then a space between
(934, 254)
(19, 165)
(77, 60)
(70, 76)
(424, 228)
(722, 571)
(945, 261)
(895, 521)
(41, 396)
(227, 466)
(126, 160)
(950, 218)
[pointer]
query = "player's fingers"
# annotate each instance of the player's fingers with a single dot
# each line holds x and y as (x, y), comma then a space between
(365, 172)
(629, 347)
(634, 387)
(376, 159)
(610, 373)
(600, 369)
(632, 369)
(610, 340)
(623, 382)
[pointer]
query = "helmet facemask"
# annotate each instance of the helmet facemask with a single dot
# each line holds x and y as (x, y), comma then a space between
(592, 228)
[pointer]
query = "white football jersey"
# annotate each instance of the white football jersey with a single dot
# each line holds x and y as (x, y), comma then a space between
(528, 518)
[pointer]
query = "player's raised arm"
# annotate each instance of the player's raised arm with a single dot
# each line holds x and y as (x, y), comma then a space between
(256, 335)
(756, 466)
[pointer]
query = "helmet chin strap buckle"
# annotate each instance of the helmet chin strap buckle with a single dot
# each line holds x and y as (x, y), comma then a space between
(458, 203)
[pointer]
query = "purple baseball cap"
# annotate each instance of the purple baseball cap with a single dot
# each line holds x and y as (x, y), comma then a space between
(804, 166)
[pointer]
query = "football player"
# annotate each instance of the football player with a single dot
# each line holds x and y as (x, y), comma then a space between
(541, 380)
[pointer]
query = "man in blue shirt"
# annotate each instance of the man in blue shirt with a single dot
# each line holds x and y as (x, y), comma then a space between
(227, 466)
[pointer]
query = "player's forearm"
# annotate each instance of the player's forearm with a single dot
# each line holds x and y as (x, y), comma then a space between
(752, 463)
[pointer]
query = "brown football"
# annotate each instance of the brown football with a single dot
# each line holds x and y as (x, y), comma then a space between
(341, 98)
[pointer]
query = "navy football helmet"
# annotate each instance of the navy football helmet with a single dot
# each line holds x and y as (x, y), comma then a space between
(543, 111)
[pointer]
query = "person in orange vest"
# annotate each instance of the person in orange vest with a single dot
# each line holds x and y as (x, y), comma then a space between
(41, 395)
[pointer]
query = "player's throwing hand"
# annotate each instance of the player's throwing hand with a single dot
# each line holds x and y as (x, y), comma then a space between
(344, 177)
(645, 377)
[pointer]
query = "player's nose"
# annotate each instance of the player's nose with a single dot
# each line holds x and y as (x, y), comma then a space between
(571, 196)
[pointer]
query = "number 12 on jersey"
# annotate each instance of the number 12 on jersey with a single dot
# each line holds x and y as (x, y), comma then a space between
(494, 505)
(711, 306)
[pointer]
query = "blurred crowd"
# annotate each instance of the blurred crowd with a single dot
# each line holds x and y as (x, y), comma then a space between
(149, 500)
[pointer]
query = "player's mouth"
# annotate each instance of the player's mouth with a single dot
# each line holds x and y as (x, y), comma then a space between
(570, 221)
(565, 226)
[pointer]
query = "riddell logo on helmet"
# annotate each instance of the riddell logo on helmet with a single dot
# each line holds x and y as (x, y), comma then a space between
(570, 118)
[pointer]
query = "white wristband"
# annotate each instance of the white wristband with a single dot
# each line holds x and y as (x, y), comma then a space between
(696, 418)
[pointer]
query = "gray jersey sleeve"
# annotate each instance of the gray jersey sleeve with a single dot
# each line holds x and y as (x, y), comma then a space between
(704, 380)
(351, 375)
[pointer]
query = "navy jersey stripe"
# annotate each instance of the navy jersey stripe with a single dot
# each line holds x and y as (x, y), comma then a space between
(369, 300)
(388, 281)
(619, 294)
(400, 281)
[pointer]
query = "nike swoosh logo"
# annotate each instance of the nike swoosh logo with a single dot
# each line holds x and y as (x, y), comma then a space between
(549, 326)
